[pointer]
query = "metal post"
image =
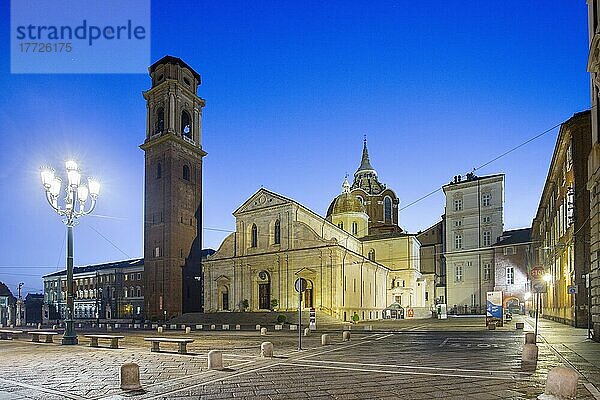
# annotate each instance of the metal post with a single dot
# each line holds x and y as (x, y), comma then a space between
(299, 320)
(589, 297)
(70, 337)
(537, 308)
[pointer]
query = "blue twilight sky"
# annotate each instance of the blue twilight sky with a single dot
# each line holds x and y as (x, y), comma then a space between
(291, 88)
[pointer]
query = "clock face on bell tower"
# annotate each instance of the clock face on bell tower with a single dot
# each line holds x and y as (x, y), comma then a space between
(173, 190)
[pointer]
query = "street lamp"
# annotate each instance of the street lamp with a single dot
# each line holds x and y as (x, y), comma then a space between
(75, 202)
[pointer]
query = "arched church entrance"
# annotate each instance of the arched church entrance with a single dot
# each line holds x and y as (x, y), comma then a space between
(264, 290)
(224, 297)
(308, 295)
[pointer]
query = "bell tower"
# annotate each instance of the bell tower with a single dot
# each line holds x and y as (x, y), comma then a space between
(173, 190)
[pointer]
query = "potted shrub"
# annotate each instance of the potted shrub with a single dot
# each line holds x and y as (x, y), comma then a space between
(274, 305)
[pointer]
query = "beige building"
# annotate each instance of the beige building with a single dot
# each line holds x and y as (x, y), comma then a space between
(353, 264)
(474, 222)
(593, 165)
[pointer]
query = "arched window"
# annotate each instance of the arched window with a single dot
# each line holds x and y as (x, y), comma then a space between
(254, 236)
(125, 292)
(186, 126)
(158, 170)
(354, 228)
(341, 225)
(186, 172)
(159, 122)
(277, 233)
(138, 291)
(131, 292)
(371, 255)
(387, 210)
(362, 201)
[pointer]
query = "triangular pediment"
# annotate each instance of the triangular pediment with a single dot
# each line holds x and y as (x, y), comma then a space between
(263, 198)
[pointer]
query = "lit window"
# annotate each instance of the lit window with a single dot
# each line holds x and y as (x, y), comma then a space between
(156, 254)
(486, 199)
(510, 275)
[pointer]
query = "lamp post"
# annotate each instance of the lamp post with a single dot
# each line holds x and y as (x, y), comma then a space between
(74, 207)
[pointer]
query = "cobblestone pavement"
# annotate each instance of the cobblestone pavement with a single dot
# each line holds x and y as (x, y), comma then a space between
(423, 360)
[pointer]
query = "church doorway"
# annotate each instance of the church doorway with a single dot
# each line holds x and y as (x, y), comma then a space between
(308, 295)
(264, 291)
(224, 291)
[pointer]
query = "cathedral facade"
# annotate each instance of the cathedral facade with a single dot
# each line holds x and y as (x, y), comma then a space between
(356, 259)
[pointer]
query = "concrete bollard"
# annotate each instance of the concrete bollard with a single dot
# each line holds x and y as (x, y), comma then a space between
(225, 327)
(258, 327)
(238, 327)
(278, 327)
(263, 331)
(520, 325)
(130, 377)
(154, 326)
(213, 327)
(198, 327)
(346, 336)
(159, 329)
(266, 349)
(325, 339)
(215, 359)
(188, 329)
(109, 328)
(530, 338)
(530, 355)
(173, 326)
(492, 326)
(53, 327)
(293, 327)
(183, 327)
(560, 384)
(39, 326)
(306, 331)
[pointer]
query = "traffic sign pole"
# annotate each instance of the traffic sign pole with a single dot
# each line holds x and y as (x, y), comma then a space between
(299, 320)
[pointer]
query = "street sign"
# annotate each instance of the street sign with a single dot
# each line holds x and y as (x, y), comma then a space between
(539, 286)
(537, 273)
(572, 289)
(494, 312)
(313, 319)
(301, 285)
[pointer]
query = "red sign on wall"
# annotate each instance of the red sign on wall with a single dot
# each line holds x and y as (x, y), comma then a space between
(537, 272)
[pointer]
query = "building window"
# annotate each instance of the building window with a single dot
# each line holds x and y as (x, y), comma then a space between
(186, 127)
(486, 199)
(254, 241)
(371, 255)
(159, 123)
(509, 251)
(277, 233)
(510, 275)
(158, 171)
(354, 228)
(487, 238)
(487, 219)
(139, 276)
(186, 173)
(487, 271)
(458, 242)
(156, 254)
(458, 205)
(459, 273)
(341, 225)
(138, 292)
(387, 210)
(458, 223)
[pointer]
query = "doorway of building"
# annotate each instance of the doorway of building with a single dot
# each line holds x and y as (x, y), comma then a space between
(308, 295)
(264, 291)
(224, 298)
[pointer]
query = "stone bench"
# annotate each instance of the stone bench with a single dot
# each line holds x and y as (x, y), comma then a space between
(114, 340)
(8, 334)
(182, 342)
(35, 336)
